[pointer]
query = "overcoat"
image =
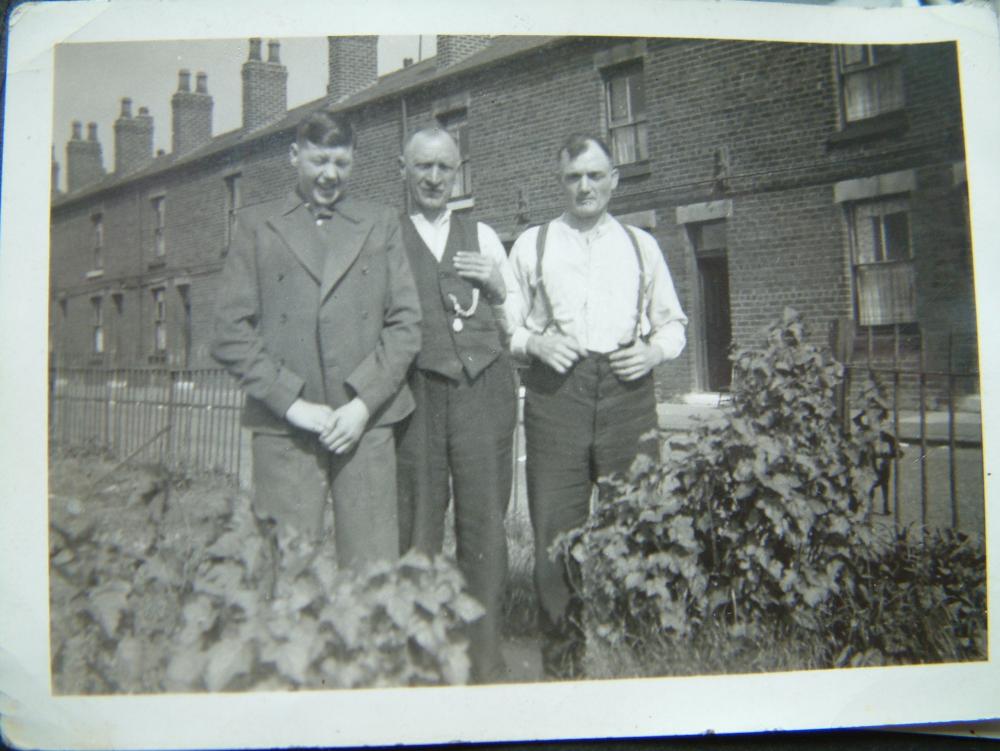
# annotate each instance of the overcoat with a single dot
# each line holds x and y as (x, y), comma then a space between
(325, 312)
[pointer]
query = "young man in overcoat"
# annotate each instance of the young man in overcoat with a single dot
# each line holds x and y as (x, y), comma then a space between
(318, 318)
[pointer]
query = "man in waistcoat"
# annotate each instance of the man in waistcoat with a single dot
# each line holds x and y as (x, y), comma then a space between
(318, 317)
(463, 384)
(600, 312)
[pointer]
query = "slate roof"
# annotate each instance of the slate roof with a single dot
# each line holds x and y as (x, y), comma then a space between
(395, 83)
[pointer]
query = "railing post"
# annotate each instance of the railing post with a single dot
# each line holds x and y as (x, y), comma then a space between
(842, 344)
(952, 479)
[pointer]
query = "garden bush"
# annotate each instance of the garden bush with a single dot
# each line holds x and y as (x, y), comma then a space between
(759, 524)
(179, 591)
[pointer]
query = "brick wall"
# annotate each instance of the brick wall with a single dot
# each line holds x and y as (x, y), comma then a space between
(766, 112)
(454, 47)
(353, 64)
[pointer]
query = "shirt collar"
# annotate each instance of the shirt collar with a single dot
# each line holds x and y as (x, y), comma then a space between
(603, 225)
(442, 221)
(341, 206)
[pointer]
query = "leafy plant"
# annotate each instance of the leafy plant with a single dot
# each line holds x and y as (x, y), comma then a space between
(192, 594)
(753, 520)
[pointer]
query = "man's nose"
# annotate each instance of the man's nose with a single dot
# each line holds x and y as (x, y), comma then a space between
(584, 183)
(435, 174)
(330, 172)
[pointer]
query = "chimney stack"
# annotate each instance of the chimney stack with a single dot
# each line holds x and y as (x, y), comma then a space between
(192, 113)
(133, 138)
(452, 48)
(264, 86)
(353, 64)
(84, 165)
(54, 190)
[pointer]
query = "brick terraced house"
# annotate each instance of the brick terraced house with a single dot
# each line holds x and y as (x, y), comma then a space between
(827, 178)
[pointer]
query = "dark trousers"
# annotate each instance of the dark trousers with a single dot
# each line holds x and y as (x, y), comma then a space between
(579, 427)
(294, 475)
(462, 430)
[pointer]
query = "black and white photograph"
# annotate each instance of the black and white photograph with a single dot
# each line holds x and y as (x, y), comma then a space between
(431, 365)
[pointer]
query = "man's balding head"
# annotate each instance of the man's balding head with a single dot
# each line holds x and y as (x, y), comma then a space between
(429, 165)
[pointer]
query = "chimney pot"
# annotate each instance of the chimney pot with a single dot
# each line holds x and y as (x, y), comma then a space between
(352, 63)
(201, 82)
(160, 152)
(407, 62)
(143, 111)
(84, 165)
(126, 107)
(265, 94)
(184, 80)
(273, 50)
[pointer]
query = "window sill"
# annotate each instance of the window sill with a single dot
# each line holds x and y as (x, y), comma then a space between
(94, 274)
(890, 123)
(460, 204)
(634, 169)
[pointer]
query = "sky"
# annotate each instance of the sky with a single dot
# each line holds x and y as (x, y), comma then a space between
(91, 80)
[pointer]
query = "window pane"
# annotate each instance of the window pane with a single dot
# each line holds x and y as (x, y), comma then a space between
(897, 236)
(623, 144)
(886, 294)
(854, 54)
(638, 92)
(873, 91)
(618, 99)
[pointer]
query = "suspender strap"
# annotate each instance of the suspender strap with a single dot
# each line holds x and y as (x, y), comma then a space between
(543, 232)
(642, 280)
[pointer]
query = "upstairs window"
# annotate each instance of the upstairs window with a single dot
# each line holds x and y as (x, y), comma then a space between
(234, 201)
(884, 274)
(97, 221)
(456, 123)
(871, 80)
(158, 206)
(625, 99)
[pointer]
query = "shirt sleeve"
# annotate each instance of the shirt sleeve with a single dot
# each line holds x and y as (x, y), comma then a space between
(509, 312)
(667, 321)
(522, 264)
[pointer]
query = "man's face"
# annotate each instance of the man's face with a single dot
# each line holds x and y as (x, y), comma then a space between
(430, 166)
(588, 181)
(323, 171)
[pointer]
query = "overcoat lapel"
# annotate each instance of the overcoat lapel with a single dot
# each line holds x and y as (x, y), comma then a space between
(348, 231)
(297, 230)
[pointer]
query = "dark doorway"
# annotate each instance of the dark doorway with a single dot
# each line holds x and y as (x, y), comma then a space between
(709, 240)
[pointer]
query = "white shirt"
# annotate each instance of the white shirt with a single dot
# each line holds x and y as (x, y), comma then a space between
(591, 280)
(435, 235)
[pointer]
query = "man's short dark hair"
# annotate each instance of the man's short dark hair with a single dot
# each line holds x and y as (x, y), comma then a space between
(325, 128)
(577, 143)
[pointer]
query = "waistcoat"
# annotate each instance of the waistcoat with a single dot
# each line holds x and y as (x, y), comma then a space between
(444, 350)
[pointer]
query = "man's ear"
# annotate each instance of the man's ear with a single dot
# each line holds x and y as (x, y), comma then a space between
(293, 154)
(402, 167)
(614, 178)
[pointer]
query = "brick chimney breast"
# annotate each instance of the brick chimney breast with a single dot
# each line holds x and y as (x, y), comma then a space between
(453, 48)
(84, 163)
(133, 138)
(191, 113)
(353, 65)
(265, 96)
